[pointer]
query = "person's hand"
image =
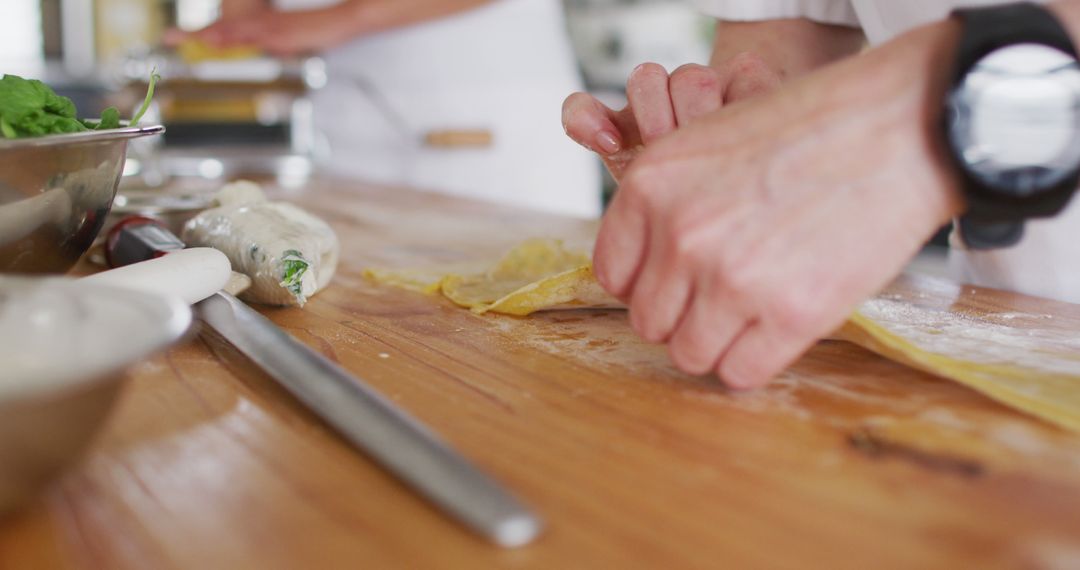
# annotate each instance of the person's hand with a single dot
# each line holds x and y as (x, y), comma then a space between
(660, 103)
(740, 240)
(277, 33)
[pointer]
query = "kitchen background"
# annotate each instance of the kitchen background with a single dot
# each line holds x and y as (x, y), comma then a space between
(231, 118)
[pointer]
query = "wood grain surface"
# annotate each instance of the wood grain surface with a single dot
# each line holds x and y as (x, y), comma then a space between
(846, 461)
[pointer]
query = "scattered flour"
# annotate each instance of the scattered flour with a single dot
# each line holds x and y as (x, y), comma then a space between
(1015, 339)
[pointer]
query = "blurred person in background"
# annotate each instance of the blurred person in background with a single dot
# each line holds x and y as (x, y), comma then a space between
(399, 69)
(756, 210)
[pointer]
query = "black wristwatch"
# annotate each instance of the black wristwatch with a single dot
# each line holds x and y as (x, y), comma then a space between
(1012, 120)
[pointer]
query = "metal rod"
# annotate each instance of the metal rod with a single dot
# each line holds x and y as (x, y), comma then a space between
(375, 425)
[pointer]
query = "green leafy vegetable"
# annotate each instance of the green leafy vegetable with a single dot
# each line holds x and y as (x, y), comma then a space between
(294, 266)
(110, 119)
(29, 108)
(154, 78)
(6, 129)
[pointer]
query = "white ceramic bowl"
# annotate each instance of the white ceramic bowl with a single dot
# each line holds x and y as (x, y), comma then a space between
(64, 345)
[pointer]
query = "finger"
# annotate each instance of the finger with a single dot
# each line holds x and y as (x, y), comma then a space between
(213, 35)
(620, 244)
(279, 48)
(591, 124)
(793, 322)
(760, 354)
(287, 43)
(173, 37)
(230, 33)
(695, 91)
(647, 90)
(748, 86)
(612, 135)
(618, 163)
(745, 76)
(660, 293)
(706, 330)
(221, 33)
(243, 35)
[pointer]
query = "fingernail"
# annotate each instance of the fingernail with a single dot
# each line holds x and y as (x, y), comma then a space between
(607, 143)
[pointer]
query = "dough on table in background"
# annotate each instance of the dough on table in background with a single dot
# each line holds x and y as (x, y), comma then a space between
(1034, 371)
(288, 253)
(197, 51)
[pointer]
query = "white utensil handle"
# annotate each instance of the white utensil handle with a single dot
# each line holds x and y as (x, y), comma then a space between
(190, 274)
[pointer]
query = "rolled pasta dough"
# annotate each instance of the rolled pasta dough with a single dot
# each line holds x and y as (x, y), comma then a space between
(288, 253)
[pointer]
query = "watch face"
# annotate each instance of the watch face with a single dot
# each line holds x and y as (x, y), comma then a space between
(1015, 119)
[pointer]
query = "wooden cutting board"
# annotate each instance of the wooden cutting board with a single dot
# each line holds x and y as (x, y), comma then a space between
(847, 460)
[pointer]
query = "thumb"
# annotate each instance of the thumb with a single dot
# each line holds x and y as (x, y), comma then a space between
(591, 124)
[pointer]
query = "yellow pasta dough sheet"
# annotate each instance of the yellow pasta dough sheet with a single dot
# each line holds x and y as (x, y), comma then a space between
(536, 275)
(1031, 369)
(193, 51)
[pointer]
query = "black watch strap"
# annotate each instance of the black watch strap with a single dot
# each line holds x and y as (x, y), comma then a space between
(988, 28)
(977, 234)
(984, 30)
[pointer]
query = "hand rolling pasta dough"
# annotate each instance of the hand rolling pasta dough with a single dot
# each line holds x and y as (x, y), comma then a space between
(1033, 370)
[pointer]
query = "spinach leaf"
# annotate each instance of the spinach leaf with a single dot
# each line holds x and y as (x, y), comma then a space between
(110, 119)
(29, 108)
(294, 266)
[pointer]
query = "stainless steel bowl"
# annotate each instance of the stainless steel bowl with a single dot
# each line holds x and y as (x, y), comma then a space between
(55, 193)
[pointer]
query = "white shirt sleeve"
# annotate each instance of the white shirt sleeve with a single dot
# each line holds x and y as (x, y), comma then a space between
(840, 12)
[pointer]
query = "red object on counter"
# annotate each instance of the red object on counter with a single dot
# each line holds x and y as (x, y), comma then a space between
(139, 238)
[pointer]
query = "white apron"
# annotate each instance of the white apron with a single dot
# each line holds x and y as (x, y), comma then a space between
(504, 67)
(1046, 262)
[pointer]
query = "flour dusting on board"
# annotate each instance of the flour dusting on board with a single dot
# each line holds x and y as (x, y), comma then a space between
(990, 339)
